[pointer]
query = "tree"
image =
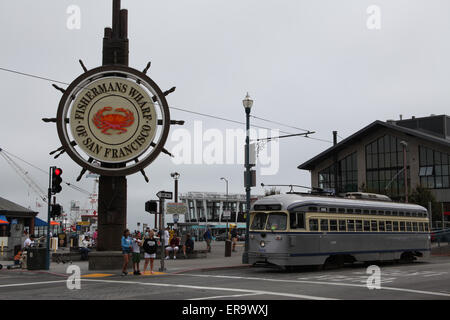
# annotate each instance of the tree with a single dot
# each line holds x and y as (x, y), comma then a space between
(422, 197)
(271, 192)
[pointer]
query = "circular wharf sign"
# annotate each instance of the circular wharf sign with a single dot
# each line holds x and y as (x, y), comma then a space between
(113, 120)
(110, 114)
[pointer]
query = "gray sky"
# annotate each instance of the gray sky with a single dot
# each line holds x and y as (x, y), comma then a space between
(310, 64)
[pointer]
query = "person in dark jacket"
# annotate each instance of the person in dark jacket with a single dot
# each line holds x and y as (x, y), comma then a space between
(188, 246)
(207, 236)
(150, 245)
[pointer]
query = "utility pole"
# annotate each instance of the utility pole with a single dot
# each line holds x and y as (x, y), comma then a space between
(405, 172)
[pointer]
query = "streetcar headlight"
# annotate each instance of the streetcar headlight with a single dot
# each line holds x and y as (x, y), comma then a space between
(262, 243)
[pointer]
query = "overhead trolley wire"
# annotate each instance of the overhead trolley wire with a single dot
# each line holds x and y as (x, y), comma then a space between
(186, 110)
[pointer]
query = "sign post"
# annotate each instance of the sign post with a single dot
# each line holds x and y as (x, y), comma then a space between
(162, 195)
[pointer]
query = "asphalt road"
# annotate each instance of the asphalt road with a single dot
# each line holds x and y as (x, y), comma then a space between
(427, 279)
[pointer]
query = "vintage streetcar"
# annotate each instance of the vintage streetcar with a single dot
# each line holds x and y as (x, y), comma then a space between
(305, 229)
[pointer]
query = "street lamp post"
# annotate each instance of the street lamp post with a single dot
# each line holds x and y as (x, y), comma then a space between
(175, 176)
(248, 103)
(227, 241)
(405, 172)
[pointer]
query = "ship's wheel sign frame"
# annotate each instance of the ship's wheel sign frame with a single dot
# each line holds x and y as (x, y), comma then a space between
(114, 115)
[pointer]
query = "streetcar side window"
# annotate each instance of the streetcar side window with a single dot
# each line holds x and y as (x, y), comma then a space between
(373, 225)
(342, 225)
(408, 226)
(395, 226)
(421, 229)
(323, 224)
(366, 225)
(381, 225)
(402, 226)
(389, 226)
(333, 225)
(350, 225)
(426, 226)
(293, 220)
(259, 221)
(358, 225)
(297, 220)
(415, 226)
(276, 221)
(313, 225)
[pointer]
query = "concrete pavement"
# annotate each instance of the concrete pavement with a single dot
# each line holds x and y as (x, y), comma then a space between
(214, 259)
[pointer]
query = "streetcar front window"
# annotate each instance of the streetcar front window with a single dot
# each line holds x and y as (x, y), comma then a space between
(259, 221)
(276, 221)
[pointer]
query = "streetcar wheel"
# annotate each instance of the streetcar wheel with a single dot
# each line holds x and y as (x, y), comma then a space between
(1, 266)
(334, 262)
(407, 257)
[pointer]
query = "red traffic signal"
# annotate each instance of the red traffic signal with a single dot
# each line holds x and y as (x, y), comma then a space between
(56, 180)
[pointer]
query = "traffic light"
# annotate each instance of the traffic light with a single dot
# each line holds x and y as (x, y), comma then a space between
(56, 180)
(55, 210)
(151, 206)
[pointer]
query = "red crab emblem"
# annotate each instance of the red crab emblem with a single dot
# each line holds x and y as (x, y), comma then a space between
(114, 121)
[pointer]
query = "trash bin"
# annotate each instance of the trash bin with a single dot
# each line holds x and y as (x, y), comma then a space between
(227, 248)
(36, 258)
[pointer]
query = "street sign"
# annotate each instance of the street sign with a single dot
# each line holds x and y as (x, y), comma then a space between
(176, 208)
(164, 195)
(253, 178)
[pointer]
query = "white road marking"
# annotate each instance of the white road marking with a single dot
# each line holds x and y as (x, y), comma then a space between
(282, 294)
(320, 283)
(229, 296)
(30, 283)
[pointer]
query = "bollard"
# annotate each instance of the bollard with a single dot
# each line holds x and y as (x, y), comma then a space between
(227, 248)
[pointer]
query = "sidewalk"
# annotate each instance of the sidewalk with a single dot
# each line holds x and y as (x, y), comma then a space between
(215, 260)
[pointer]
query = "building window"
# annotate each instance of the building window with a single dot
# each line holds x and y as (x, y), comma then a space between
(384, 165)
(347, 175)
(434, 169)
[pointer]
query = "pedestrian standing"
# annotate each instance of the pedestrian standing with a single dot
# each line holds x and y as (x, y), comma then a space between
(150, 245)
(234, 237)
(137, 243)
(207, 236)
(126, 250)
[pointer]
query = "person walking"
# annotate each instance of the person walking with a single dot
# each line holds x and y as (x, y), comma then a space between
(150, 245)
(126, 250)
(207, 236)
(137, 243)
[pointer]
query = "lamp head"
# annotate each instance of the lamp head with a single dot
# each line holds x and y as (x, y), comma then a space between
(247, 102)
